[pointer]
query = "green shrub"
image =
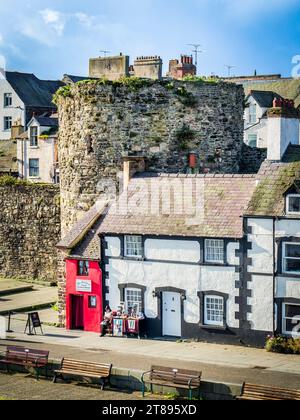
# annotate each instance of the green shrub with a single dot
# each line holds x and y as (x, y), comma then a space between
(283, 345)
(7, 180)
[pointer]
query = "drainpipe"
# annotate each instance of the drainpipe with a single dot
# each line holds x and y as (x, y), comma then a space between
(274, 276)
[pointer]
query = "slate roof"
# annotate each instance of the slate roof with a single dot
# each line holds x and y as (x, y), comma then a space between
(225, 198)
(33, 91)
(264, 98)
(288, 88)
(269, 196)
(78, 232)
(47, 121)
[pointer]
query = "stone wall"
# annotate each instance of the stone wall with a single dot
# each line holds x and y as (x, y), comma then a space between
(29, 231)
(100, 123)
(252, 158)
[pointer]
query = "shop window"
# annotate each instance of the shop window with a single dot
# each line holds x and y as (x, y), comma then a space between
(92, 302)
(133, 246)
(133, 301)
(293, 204)
(291, 258)
(213, 310)
(291, 319)
(214, 251)
(83, 268)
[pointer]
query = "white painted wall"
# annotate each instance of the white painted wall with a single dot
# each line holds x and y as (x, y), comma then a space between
(261, 317)
(12, 111)
(190, 277)
(281, 132)
(261, 286)
(168, 250)
(287, 287)
(44, 152)
(287, 227)
(262, 246)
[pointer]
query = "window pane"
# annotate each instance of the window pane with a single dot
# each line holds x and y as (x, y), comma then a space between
(83, 268)
(253, 113)
(292, 311)
(214, 310)
(7, 99)
(294, 204)
(292, 265)
(33, 136)
(292, 250)
(290, 325)
(252, 140)
(7, 123)
(133, 246)
(34, 167)
(214, 250)
(134, 301)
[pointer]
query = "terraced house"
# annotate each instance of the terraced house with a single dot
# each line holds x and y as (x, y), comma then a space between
(229, 274)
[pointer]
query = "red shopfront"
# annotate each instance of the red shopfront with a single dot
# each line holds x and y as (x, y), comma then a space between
(84, 304)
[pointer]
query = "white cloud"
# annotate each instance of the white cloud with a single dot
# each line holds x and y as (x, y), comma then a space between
(85, 20)
(1, 39)
(54, 19)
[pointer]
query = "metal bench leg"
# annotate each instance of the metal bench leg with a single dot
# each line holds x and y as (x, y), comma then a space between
(143, 389)
(102, 383)
(54, 378)
(190, 394)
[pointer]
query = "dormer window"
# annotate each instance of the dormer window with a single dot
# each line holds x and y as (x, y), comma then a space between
(293, 204)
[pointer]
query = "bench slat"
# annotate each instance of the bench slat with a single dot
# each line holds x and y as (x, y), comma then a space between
(261, 392)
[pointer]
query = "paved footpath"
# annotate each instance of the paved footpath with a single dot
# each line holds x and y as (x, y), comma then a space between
(218, 362)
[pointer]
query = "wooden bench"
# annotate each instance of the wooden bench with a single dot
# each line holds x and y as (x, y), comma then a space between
(28, 358)
(260, 393)
(172, 378)
(83, 369)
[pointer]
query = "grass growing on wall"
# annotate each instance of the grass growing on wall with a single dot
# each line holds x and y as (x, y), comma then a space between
(8, 180)
(134, 84)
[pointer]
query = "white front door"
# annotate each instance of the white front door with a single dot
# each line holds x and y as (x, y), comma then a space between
(171, 314)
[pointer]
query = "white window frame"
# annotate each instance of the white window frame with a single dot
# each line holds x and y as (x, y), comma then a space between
(288, 204)
(5, 119)
(36, 144)
(285, 257)
(285, 318)
(134, 301)
(251, 114)
(133, 241)
(38, 167)
(206, 245)
(5, 96)
(207, 321)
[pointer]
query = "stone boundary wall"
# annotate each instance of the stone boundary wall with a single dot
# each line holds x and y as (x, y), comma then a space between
(29, 232)
(252, 159)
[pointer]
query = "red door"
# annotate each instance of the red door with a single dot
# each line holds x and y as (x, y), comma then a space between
(77, 312)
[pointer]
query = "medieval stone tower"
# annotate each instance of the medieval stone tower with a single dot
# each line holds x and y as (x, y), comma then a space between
(101, 122)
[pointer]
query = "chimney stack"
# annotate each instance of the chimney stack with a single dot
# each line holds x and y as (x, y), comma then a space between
(131, 166)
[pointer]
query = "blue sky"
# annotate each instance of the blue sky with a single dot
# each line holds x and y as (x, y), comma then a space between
(54, 37)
